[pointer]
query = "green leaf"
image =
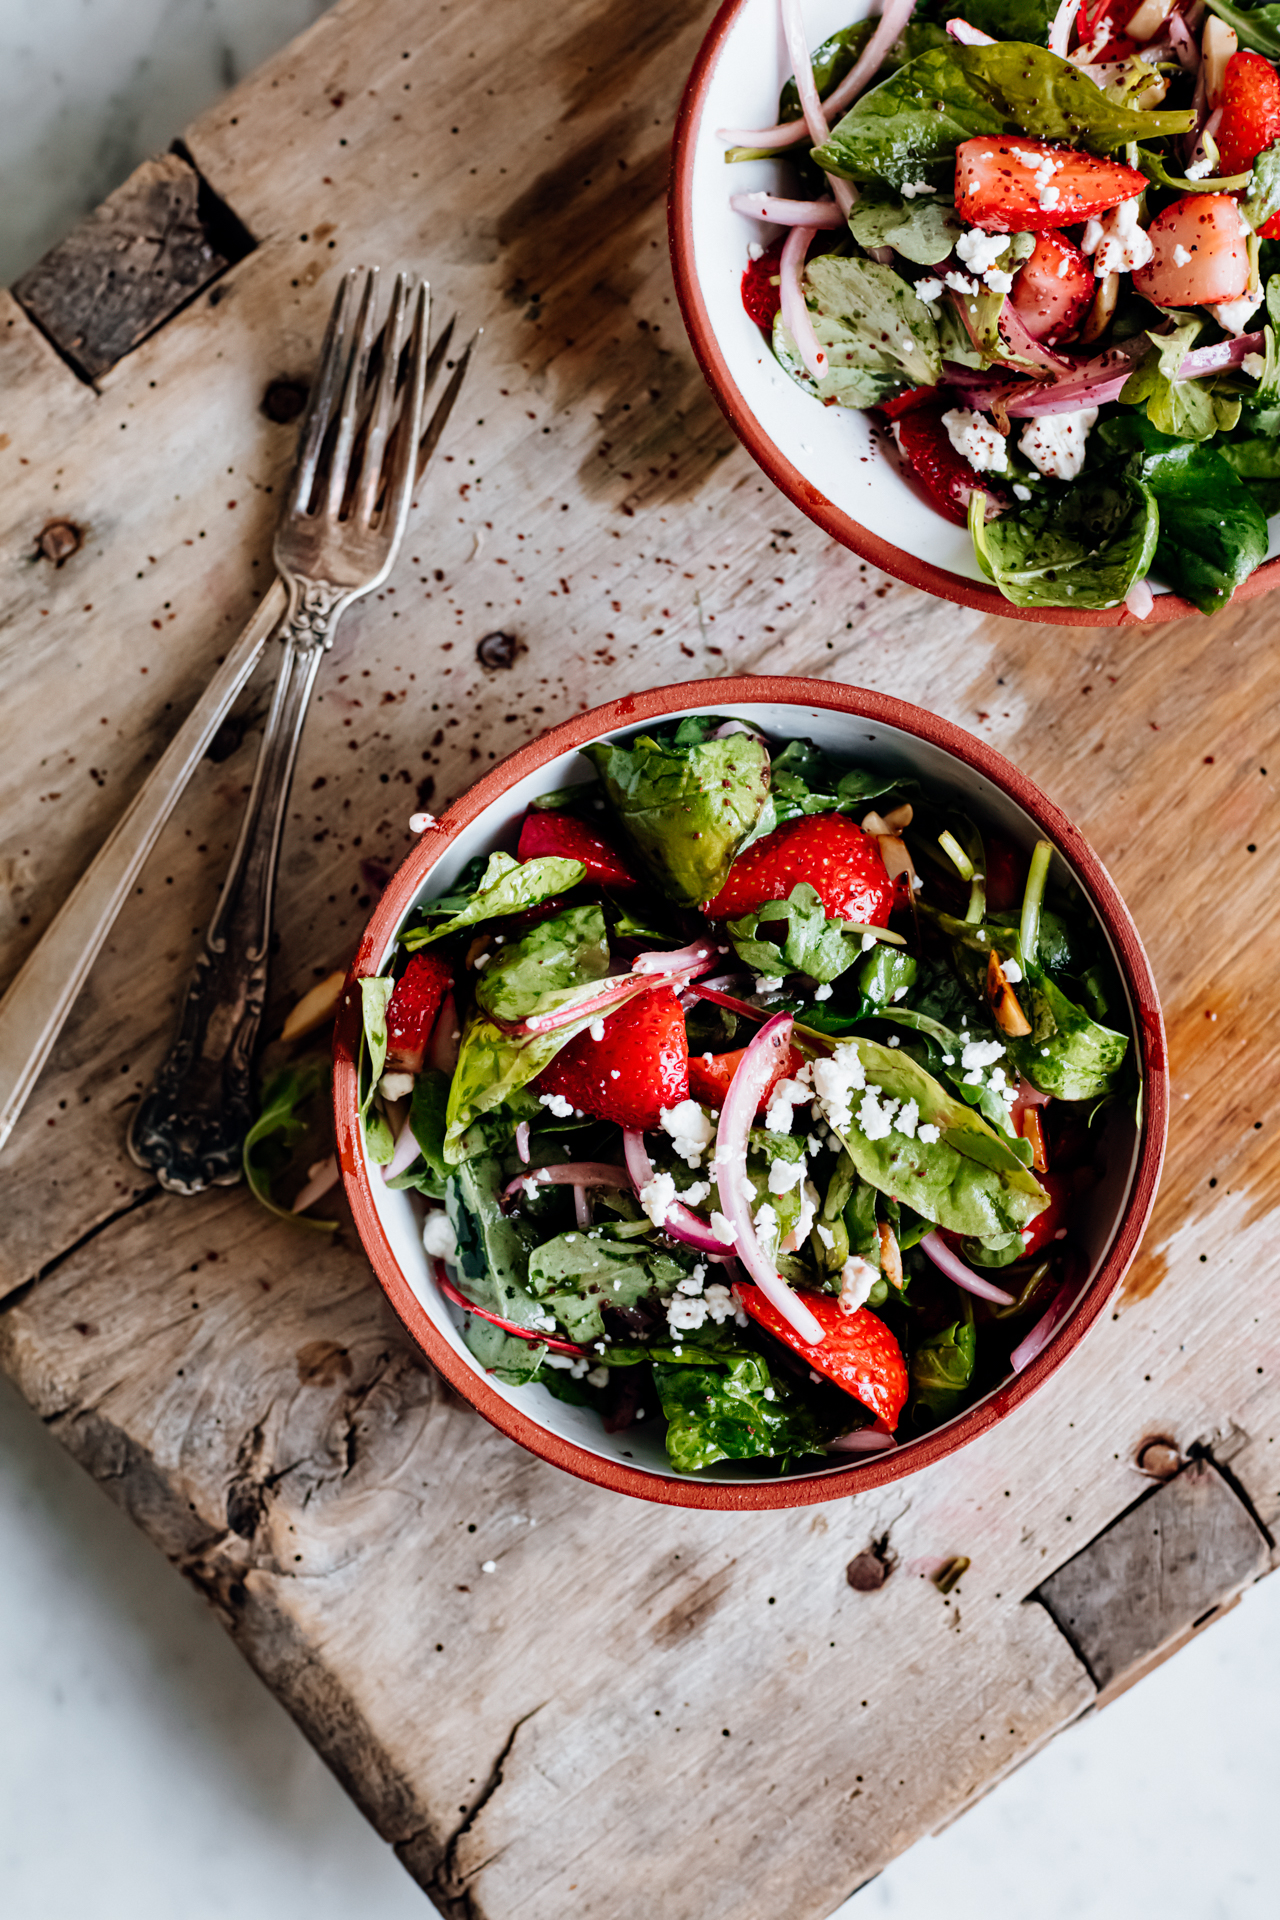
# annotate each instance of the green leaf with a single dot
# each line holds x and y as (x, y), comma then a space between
(508, 886)
(494, 1065)
(1066, 1053)
(375, 997)
(830, 62)
(532, 974)
(686, 810)
(514, 1361)
(1258, 30)
(942, 1367)
(886, 974)
(1263, 197)
(1212, 533)
(805, 780)
(578, 1274)
(1185, 409)
(909, 126)
(732, 1407)
(1082, 546)
(283, 1122)
(427, 1119)
(923, 230)
(492, 1261)
(969, 1180)
(815, 945)
(1255, 459)
(1008, 19)
(879, 338)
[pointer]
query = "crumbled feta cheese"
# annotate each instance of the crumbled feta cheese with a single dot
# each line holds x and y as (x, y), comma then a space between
(930, 289)
(826, 1236)
(959, 282)
(1064, 266)
(1233, 316)
(977, 440)
(906, 1120)
(997, 279)
(596, 1029)
(395, 1086)
(785, 1174)
(754, 252)
(1123, 244)
(481, 960)
(874, 1116)
(857, 1277)
(556, 1104)
(766, 1220)
(529, 1188)
(868, 941)
(786, 1096)
(689, 1130)
(927, 1132)
(597, 1377)
(720, 1304)
(1055, 443)
(899, 993)
(438, 1236)
(834, 1081)
(724, 1230)
(683, 1314)
(981, 1053)
(695, 1195)
(1200, 169)
(657, 1197)
(1012, 971)
(1049, 197)
(810, 1201)
(1181, 258)
(419, 822)
(1254, 364)
(1020, 492)
(768, 983)
(910, 188)
(981, 250)
(824, 991)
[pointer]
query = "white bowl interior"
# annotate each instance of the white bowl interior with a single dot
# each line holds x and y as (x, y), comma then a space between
(833, 448)
(871, 744)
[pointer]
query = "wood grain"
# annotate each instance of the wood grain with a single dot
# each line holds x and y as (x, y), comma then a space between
(239, 1388)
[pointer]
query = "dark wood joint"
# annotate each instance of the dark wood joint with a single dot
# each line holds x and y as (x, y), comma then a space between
(135, 261)
(1170, 1564)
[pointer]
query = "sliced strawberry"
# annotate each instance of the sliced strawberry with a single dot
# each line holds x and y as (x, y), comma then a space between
(1052, 290)
(1200, 253)
(1270, 230)
(857, 1350)
(907, 402)
(710, 1074)
(1006, 874)
(945, 475)
(840, 862)
(412, 1011)
(1250, 105)
(1049, 1226)
(569, 838)
(639, 1066)
(1012, 185)
(762, 288)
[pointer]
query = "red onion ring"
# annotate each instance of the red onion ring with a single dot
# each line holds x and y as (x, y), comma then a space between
(968, 36)
(1044, 1329)
(582, 1207)
(318, 1185)
(786, 213)
(406, 1152)
(866, 1439)
(893, 19)
(681, 1223)
(522, 1141)
(1019, 338)
(574, 1173)
(691, 956)
(450, 1292)
(1139, 600)
(1227, 353)
(1061, 25)
(795, 314)
(956, 1269)
(753, 1073)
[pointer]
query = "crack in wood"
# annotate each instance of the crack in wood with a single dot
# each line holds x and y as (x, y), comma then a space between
(447, 1886)
(21, 1290)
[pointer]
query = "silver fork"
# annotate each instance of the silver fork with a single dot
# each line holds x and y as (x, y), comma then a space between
(358, 459)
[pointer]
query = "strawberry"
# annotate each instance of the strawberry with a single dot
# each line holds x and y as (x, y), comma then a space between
(639, 1065)
(945, 475)
(761, 291)
(1012, 185)
(1200, 253)
(906, 402)
(857, 1350)
(1250, 105)
(1044, 1230)
(569, 838)
(839, 861)
(710, 1074)
(412, 1011)
(1052, 290)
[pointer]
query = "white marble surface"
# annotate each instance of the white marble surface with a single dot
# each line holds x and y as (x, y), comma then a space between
(144, 1771)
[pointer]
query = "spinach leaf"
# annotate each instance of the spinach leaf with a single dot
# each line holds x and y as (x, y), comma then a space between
(1263, 197)
(887, 975)
(1083, 546)
(879, 338)
(508, 886)
(968, 1180)
(493, 1066)
(492, 1261)
(1254, 459)
(1258, 30)
(911, 124)
(375, 997)
(427, 1118)
(686, 810)
(831, 61)
(1265, 495)
(923, 230)
(940, 1050)
(734, 1409)
(1187, 409)
(942, 1367)
(531, 975)
(815, 945)
(293, 1103)
(1212, 534)
(578, 1274)
(1007, 19)
(1066, 1053)
(505, 1355)
(805, 781)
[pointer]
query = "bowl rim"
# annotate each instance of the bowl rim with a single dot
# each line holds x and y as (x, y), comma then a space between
(857, 703)
(840, 526)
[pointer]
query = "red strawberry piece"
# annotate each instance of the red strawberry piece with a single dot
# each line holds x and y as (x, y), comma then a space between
(639, 1065)
(1052, 291)
(857, 1350)
(761, 287)
(710, 1074)
(1045, 1229)
(1270, 230)
(1250, 105)
(568, 838)
(945, 475)
(412, 1011)
(840, 862)
(1012, 185)
(907, 402)
(1200, 253)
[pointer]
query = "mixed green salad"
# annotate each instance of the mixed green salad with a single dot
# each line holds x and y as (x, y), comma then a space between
(1044, 244)
(752, 1092)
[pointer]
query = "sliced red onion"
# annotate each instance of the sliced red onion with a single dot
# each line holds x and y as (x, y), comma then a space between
(742, 726)
(784, 213)
(582, 1207)
(1028, 1096)
(795, 314)
(1044, 1329)
(1186, 48)
(691, 956)
(866, 1439)
(681, 1222)
(522, 1141)
(614, 996)
(1024, 343)
(1090, 387)
(753, 1074)
(1227, 353)
(729, 1000)
(446, 1037)
(893, 19)
(320, 1179)
(720, 984)
(1061, 25)
(802, 67)
(406, 1152)
(574, 1173)
(1139, 600)
(958, 1270)
(666, 969)
(450, 1292)
(968, 36)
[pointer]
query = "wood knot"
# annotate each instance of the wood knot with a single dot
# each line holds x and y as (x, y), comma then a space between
(868, 1570)
(498, 650)
(284, 400)
(1158, 1457)
(58, 541)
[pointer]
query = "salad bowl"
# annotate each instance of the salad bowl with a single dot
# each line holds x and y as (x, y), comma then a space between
(897, 741)
(833, 462)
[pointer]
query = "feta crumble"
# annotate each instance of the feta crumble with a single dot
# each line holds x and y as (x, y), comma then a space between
(910, 188)
(824, 991)
(657, 1197)
(834, 1081)
(723, 1230)
(981, 250)
(395, 1086)
(1055, 443)
(1121, 244)
(930, 289)
(689, 1130)
(1233, 316)
(785, 1174)
(438, 1236)
(556, 1104)
(1255, 365)
(1181, 258)
(977, 440)
(927, 1132)
(857, 1277)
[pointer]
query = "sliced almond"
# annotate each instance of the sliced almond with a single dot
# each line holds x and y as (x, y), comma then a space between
(314, 1008)
(1098, 318)
(893, 848)
(1217, 44)
(1003, 1001)
(1033, 1131)
(1146, 22)
(900, 818)
(478, 946)
(890, 1255)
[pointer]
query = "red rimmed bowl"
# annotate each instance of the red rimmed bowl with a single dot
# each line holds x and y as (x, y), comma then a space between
(829, 461)
(878, 731)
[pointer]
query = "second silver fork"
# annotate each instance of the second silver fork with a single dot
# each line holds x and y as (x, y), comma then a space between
(358, 459)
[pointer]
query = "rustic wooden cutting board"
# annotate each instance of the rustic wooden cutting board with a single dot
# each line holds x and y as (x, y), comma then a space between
(640, 1710)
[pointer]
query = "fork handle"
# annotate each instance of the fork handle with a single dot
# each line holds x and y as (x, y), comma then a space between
(189, 1129)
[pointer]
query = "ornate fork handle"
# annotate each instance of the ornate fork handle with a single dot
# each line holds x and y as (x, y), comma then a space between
(190, 1127)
